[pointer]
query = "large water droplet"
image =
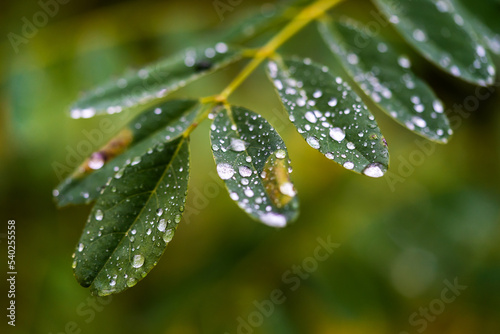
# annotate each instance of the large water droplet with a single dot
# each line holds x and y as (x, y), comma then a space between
(337, 134)
(313, 142)
(245, 171)
(238, 145)
(96, 160)
(99, 215)
(137, 261)
(287, 189)
(167, 237)
(373, 170)
(273, 219)
(225, 171)
(162, 225)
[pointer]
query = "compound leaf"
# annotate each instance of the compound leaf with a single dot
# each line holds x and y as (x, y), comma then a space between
(253, 161)
(439, 33)
(152, 83)
(133, 220)
(385, 76)
(160, 124)
(330, 116)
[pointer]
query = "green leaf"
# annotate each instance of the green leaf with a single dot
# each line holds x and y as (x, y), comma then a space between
(441, 35)
(370, 61)
(151, 84)
(133, 220)
(253, 161)
(160, 124)
(330, 116)
(483, 16)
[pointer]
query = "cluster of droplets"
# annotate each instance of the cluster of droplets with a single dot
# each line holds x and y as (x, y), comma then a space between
(327, 113)
(411, 103)
(133, 88)
(241, 149)
(455, 30)
(150, 228)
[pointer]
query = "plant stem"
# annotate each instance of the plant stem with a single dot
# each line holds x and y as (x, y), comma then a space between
(307, 15)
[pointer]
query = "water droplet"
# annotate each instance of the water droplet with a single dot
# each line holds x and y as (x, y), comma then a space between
(238, 145)
(162, 225)
(244, 171)
(99, 215)
(159, 212)
(137, 261)
(135, 161)
(131, 282)
(287, 189)
(234, 196)
(167, 237)
(313, 142)
(332, 102)
(96, 160)
(225, 171)
(280, 154)
(73, 265)
(373, 170)
(119, 174)
(81, 247)
(177, 219)
(348, 165)
(248, 192)
(310, 117)
(273, 219)
(337, 134)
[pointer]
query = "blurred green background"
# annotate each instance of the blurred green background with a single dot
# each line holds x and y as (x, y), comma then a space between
(434, 218)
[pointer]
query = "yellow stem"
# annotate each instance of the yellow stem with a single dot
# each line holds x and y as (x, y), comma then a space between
(307, 15)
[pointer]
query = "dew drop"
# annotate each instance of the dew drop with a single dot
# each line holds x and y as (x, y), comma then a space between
(337, 134)
(225, 171)
(99, 215)
(137, 261)
(162, 225)
(332, 102)
(96, 160)
(159, 212)
(280, 154)
(313, 142)
(348, 165)
(373, 170)
(310, 117)
(81, 247)
(238, 145)
(245, 171)
(287, 189)
(135, 161)
(167, 237)
(273, 219)
(131, 282)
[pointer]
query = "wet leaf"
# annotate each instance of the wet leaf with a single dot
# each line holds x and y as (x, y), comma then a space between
(438, 32)
(150, 84)
(483, 16)
(330, 116)
(133, 220)
(160, 124)
(385, 76)
(253, 161)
